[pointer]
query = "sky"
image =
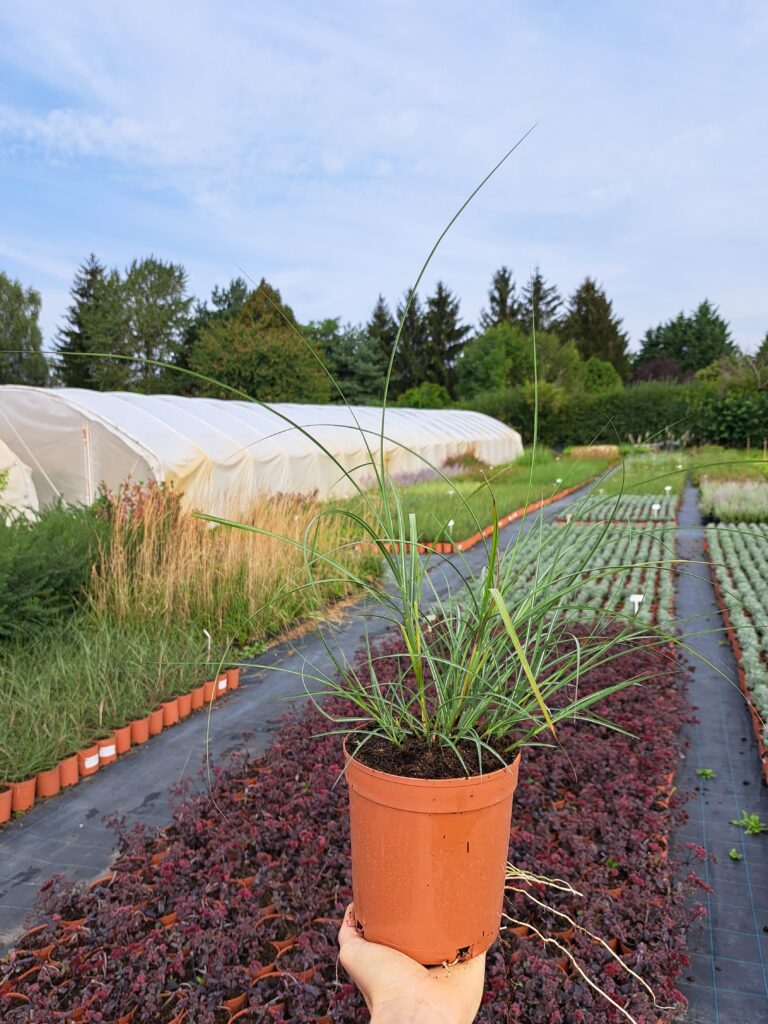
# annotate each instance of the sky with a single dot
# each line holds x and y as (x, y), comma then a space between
(325, 146)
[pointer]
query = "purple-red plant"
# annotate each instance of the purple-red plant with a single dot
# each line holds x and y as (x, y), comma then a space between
(238, 901)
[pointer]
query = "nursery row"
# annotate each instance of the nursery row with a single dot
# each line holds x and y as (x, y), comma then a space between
(608, 567)
(19, 796)
(231, 912)
(626, 508)
(734, 501)
(740, 563)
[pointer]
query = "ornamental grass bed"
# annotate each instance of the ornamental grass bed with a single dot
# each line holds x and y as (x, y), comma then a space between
(231, 912)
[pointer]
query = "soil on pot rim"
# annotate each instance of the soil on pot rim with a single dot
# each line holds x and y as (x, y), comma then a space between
(415, 761)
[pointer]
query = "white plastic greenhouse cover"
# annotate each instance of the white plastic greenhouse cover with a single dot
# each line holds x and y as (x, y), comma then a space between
(220, 454)
(19, 493)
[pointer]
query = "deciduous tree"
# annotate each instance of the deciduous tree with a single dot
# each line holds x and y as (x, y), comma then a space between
(21, 342)
(260, 351)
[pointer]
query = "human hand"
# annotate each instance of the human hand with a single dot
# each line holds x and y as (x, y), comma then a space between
(400, 991)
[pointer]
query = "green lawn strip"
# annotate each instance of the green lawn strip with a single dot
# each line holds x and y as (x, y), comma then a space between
(438, 503)
(716, 463)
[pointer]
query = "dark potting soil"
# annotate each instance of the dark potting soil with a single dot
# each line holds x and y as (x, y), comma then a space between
(415, 761)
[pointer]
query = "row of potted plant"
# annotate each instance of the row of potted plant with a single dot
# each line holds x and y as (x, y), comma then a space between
(231, 912)
(19, 797)
(639, 509)
(740, 568)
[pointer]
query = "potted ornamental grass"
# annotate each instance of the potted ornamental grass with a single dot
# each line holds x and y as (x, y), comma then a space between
(433, 738)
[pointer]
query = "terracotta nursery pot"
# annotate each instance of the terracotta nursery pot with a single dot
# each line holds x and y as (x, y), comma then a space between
(107, 749)
(5, 803)
(198, 697)
(429, 858)
(170, 712)
(156, 722)
(88, 760)
(23, 794)
(233, 678)
(123, 740)
(185, 705)
(209, 691)
(140, 730)
(48, 782)
(69, 773)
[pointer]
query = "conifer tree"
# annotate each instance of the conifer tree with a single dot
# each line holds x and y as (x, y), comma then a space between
(691, 342)
(381, 330)
(540, 305)
(503, 303)
(445, 338)
(410, 361)
(592, 325)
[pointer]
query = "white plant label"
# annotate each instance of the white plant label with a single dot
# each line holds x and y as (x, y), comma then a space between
(223, 683)
(109, 751)
(668, 488)
(637, 600)
(91, 762)
(655, 508)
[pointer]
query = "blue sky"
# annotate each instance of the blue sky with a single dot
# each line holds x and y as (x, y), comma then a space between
(324, 146)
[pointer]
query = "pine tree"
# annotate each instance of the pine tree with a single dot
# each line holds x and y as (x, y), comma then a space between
(591, 324)
(410, 361)
(95, 325)
(353, 359)
(503, 303)
(445, 339)
(689, 342)
(540, 305)
(381, 331)
(21, 355)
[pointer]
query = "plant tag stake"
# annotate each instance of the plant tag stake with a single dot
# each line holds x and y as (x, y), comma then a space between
(636, 600)
(655, 508)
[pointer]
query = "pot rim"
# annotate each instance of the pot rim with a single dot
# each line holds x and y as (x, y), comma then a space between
(454, 783)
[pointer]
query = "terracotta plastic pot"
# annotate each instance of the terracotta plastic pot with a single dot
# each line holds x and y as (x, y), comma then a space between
(69, 773)
(123, 740)
(170, 712)
(209, 691)
(23, 794)
(233, 678)
(185, 705)
(5, 804)
(198, 697)
(107, 749)
(235, 1003)
(156, 722)
(140, 730)
(88, 760)
(48, 782)
(429, 859)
